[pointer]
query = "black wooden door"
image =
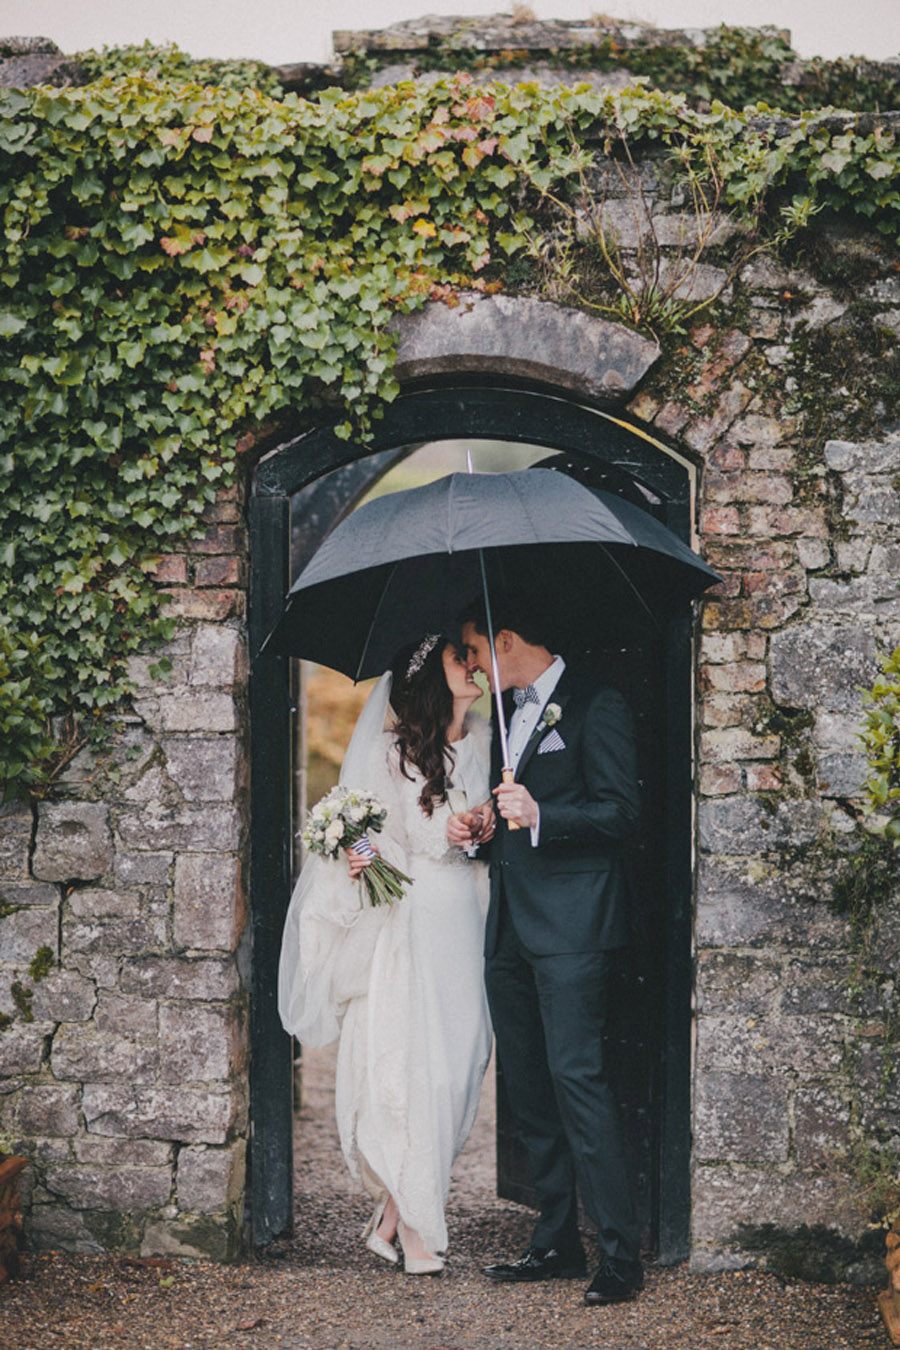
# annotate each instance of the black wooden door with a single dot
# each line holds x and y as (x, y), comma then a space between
(653, 1050)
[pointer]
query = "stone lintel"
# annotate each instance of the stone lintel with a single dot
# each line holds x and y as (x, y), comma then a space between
(530, 339)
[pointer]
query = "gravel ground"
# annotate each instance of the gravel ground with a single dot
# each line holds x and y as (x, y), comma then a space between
(323, 1289)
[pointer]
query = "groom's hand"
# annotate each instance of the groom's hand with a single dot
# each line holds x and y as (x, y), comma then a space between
(515, 802)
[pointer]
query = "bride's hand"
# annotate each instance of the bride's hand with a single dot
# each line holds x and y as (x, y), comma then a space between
(357, 864)
(459, 830)
(488, 823)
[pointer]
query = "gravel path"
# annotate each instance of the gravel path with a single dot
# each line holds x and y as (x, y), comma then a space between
(322, 1289)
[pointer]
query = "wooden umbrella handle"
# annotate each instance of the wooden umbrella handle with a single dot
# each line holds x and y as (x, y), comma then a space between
(509, 776)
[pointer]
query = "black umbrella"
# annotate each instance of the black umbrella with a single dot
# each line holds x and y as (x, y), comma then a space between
(406, 563)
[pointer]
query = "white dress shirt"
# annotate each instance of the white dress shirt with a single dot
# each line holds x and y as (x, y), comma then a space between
(525, 719)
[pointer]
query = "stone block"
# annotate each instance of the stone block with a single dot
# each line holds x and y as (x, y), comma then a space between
(870, 457)
(720, 520)
(204, 768)
(219, 538)
(16, 825)
(820, 665)
(48, 1111)
(763, 777)
(25, 930)
(58, 1228)
(821, 1127)
(73, 841)
(214, 605)
(98, 1148)
(116, 1187)
(198, 1044)
(877, 1080)
(814, 986)
(22, 1048)
(219, 571)
(190, 1115)
(150, 787)
(199, 1236)
(217, 656)
(139, 667)
(94, 902)
(746, 825)
(731, 982)
(174, 977)
(111, 938)
(732, 743)
(207, 710)
(171, 569)
(136, 1018)
(83, 1052)
(755, 430)
(802, 1046)
(210, 1179)
(63, 996)
(135, 869)
(206, 828)
(740, 1118)
(16, 893)
(842, 775)
(209, 901)
(727, 1198)
(718, 780)
(753, 905)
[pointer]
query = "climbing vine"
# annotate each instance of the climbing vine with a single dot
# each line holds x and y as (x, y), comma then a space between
(736, 66)
(185, 261)
(881, 742)
(168, 62)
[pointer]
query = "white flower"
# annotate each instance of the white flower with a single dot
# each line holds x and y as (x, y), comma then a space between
(552, 715)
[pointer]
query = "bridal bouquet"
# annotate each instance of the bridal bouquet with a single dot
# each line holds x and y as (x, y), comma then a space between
(341, 820)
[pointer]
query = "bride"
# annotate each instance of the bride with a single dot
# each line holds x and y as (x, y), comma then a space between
(402, 984)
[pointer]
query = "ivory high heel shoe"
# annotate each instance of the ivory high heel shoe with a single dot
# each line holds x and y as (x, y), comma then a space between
(418, 1265)
(379, 1245)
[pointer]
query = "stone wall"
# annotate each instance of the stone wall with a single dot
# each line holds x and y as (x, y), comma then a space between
(124, 1067)
(795, 1070)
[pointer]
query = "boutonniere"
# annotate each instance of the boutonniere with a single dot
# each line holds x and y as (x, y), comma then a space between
(552, 715)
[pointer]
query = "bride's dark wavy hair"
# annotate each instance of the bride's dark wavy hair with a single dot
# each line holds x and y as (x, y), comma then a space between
(424, 707)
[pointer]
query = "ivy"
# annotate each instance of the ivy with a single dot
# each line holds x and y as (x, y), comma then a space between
(184, 262)
(881, 743)
(169, 62)
(736, 66)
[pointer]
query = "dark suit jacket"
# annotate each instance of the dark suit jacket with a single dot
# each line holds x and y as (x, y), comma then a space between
(570, 893)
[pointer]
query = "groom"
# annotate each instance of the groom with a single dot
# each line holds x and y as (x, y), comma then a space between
(557, 918)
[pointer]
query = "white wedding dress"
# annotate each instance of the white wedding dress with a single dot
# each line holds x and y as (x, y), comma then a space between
(402, 984)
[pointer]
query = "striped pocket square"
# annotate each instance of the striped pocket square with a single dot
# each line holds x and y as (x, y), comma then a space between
(552, 742)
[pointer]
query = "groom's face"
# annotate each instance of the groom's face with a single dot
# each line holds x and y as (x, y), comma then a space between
(478, 654)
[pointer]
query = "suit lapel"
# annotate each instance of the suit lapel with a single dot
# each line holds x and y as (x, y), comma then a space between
(559, 695)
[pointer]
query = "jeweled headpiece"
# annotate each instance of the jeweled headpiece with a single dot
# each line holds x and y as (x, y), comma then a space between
(421, 654)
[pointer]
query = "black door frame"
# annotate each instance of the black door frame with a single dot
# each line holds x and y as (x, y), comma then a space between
(463, 411)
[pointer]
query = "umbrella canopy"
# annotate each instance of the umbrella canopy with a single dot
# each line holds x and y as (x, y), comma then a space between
(407, 563)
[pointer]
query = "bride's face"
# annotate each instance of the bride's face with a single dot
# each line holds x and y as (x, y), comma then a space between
(460, 680)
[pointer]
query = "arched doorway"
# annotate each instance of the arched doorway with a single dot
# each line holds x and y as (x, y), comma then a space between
(605, 449)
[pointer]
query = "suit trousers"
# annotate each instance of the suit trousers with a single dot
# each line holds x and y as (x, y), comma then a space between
(549, 1015)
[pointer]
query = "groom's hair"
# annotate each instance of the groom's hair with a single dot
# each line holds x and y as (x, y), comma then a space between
(510, 610)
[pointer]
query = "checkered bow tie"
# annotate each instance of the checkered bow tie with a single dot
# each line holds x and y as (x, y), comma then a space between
(527, 695)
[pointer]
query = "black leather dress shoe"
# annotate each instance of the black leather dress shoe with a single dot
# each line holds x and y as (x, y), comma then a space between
(615, 1282)
(538, 1263)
